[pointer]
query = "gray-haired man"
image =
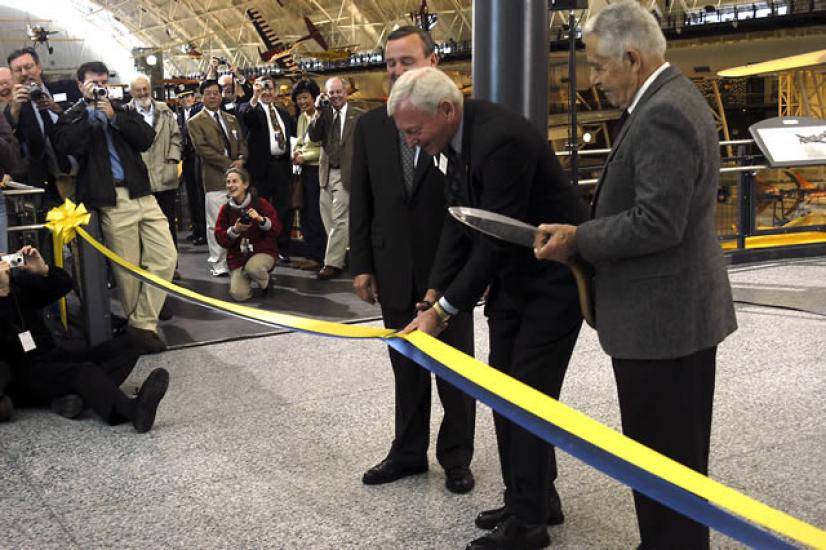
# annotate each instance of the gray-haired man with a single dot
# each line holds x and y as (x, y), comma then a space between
(663, 300)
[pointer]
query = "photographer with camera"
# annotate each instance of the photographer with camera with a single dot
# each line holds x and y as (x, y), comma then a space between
(269, 130)
(33, 112)
(108, 140)
(41, 373)
(235, 88)
(248, 227)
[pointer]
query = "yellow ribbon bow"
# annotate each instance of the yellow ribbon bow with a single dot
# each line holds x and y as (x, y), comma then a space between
(62, 221)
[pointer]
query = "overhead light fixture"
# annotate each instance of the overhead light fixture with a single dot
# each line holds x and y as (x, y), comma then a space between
(151, 60)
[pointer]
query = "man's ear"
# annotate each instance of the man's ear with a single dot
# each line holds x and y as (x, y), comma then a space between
(447, 109)
(634, 58)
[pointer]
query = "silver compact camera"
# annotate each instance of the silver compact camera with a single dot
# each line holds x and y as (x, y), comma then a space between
(323, 100)
(99, 92)
(14, 260)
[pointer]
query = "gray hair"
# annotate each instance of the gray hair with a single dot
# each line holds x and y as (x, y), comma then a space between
(623, 25)
(140, 77)
(332, 79)
(426, 88)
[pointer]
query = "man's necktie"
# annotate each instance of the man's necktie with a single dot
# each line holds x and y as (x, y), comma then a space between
(334, 151)
(456, 184)
(223, 133)
(276, 127)
(408, 155)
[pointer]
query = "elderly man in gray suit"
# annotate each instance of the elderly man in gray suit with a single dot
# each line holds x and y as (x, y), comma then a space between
(663, 299)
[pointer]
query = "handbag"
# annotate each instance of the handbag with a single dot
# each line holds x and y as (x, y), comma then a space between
(296, 200)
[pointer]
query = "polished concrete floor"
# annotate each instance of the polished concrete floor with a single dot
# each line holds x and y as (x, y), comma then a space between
(261, 443)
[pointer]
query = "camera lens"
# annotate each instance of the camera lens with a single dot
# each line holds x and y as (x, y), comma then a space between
(100, 91)
(245, 218)
(35, 91)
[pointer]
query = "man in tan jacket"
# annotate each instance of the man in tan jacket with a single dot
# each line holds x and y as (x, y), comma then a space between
(219, 141)
(163, 157)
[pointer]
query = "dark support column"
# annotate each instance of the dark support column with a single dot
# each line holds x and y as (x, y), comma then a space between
(745, 200)
(94, 291)
(510, 56)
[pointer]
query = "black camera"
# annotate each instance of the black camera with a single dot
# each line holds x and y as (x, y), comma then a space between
(36, 92)
(266, 85)
(245, 218)
(221, 61)
(99, 92)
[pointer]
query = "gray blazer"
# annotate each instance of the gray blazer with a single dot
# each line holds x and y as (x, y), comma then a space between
(661, 286)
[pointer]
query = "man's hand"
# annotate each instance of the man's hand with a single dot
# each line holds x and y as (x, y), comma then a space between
(33, 261)
(5, 181)
(556, 242)
(366, 287)
(20, 95)
(237, 163)
(105, 106)
(47, 102)
(427, 321)
(298, 158)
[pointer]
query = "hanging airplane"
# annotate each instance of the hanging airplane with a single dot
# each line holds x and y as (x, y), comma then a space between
(40, 35)
(277, 51)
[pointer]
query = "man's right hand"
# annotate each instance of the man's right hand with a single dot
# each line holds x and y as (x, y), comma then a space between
(20, 95)
(366, 287)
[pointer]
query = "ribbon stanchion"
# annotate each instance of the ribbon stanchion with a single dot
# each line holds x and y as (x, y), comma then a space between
(63, 223)
(633, 464)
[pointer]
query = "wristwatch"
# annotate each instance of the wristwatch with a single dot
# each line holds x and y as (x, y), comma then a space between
(444, 316)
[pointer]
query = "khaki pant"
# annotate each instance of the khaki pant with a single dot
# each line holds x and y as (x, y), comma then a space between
(335, 212)
(137, 231)
(256, 269)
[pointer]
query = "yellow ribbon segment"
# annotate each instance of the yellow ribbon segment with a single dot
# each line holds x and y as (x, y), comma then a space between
(69, 218)
(588, 429)
(291, 321)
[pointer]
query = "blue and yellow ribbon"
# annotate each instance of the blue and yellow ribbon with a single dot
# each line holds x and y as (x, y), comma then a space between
(686, 491)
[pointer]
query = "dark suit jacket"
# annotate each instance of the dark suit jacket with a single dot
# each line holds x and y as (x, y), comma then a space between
(32, 139)
(187, 151)
(662, 290)
(510, 169)
(258, 136)
(393, 234)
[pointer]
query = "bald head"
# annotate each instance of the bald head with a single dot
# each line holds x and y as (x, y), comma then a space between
(5, 84)
(227, 83)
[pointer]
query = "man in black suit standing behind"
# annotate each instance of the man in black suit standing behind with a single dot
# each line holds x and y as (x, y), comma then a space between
(190, 172)
(397, 204)
(499, 161)
(268, 131)
(33, 113)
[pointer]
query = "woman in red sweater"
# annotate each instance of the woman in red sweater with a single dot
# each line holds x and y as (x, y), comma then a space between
(247, 226)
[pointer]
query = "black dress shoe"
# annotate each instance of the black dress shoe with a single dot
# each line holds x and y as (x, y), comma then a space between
(491, 518)
(148, 399)
(459, 480)
(389, 470)
(198, 241)
(68, 406)
(511, 534)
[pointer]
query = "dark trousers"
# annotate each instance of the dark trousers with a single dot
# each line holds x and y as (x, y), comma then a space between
(191, 174)
(454, 444)
(666, 405)
(94, 373)
(273, 183)
(535, 349)
(166, 200)
(315, 237)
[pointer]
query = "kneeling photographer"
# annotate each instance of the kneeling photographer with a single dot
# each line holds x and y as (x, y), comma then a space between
(42, 373)
(248, 227)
